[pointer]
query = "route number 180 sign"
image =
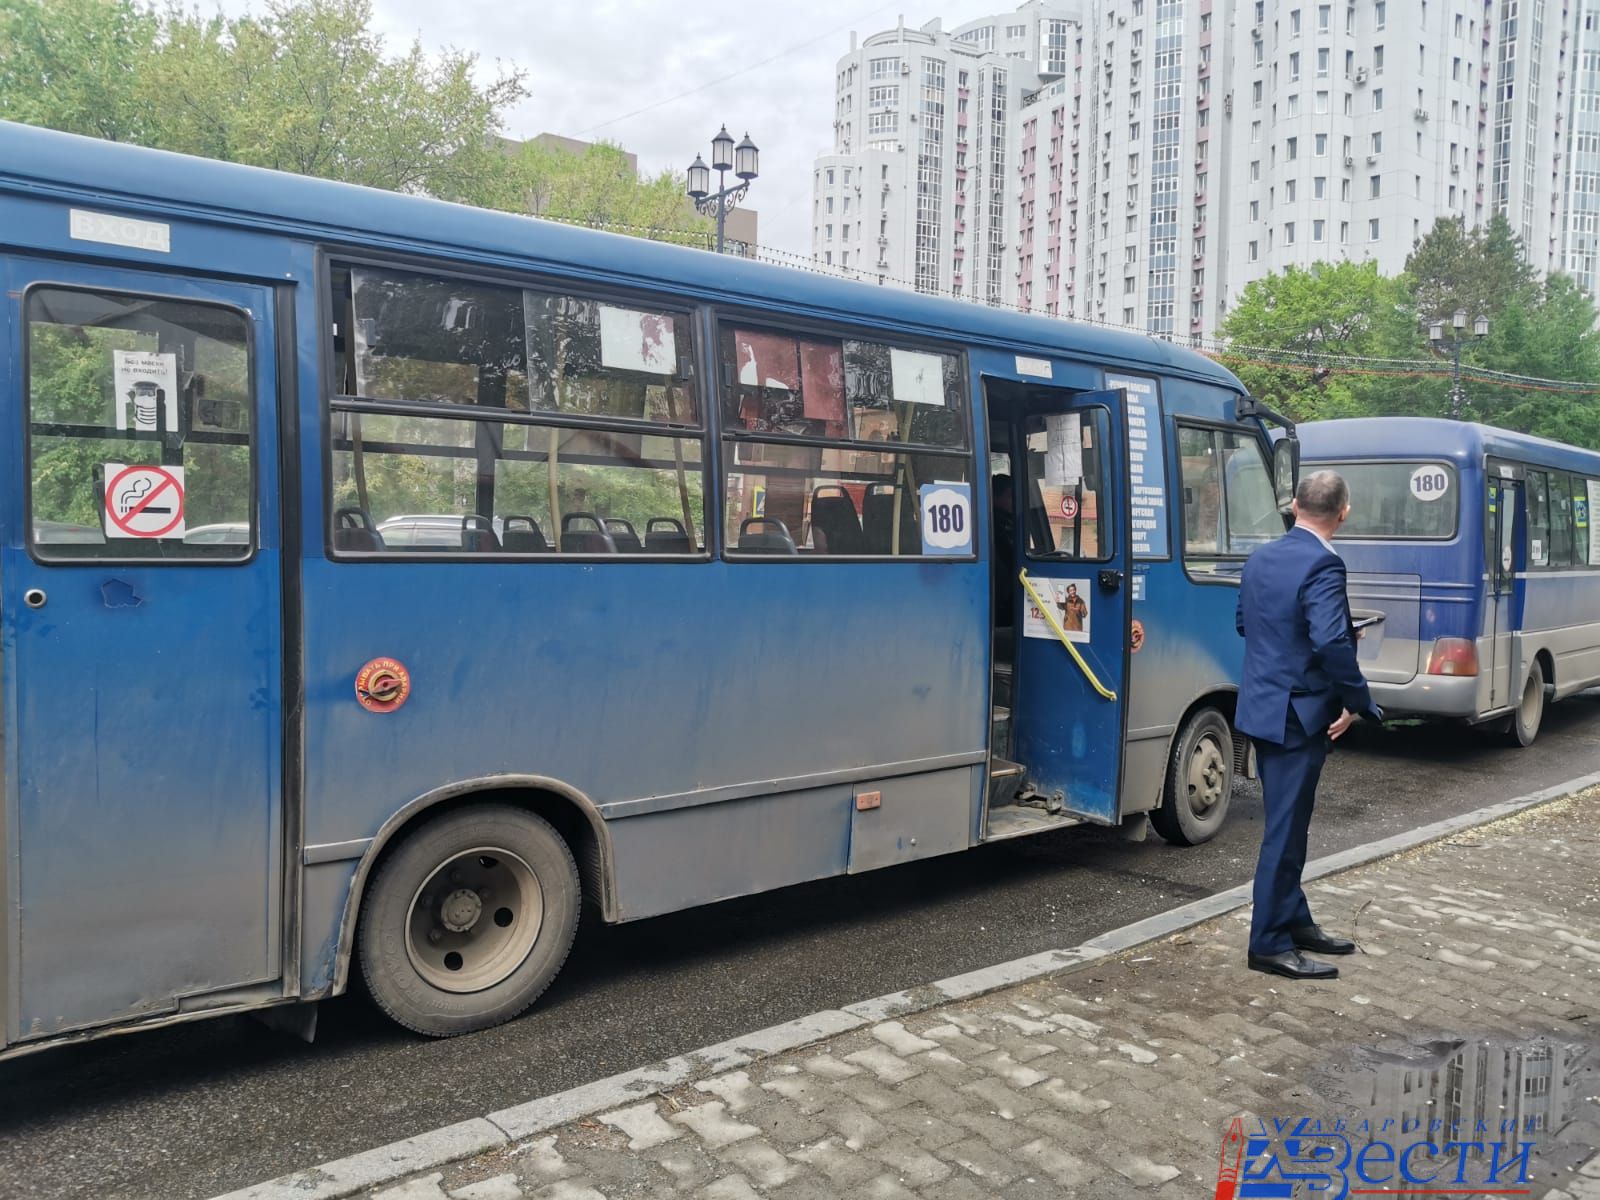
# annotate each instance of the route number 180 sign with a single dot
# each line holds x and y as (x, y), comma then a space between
(946, 518)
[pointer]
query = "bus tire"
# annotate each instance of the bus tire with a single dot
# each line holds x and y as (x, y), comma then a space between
(469, 919)
(1529, 712)
(1194, 802)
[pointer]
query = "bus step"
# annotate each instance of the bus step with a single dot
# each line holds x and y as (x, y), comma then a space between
(1000, 729)
(1014, 821)
(1005, 778)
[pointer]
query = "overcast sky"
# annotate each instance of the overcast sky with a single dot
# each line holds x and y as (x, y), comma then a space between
(591, 63)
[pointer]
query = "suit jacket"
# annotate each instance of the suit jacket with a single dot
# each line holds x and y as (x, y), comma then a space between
(1299, 642)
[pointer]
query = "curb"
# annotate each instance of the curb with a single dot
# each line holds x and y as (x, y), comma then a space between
(439, 1147)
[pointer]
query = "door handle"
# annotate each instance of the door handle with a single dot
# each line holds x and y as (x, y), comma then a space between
(1110, 579)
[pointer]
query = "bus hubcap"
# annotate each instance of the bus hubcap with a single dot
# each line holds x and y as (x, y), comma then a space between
(1207, 773)
(474, 920)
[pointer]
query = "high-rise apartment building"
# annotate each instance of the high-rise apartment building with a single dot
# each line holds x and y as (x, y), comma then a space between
(1140, 162)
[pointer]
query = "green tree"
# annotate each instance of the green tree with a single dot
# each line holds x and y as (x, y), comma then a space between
(75, 65)
(304, 87)
(1344, 308)
(1478, 272)
(597, 186)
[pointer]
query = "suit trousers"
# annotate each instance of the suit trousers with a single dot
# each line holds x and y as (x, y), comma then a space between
(1289, 775)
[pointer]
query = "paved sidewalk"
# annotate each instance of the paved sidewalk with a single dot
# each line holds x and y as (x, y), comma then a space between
(1477, 998)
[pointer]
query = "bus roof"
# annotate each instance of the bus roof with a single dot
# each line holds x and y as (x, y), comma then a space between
(113, 174)
(1408, 438)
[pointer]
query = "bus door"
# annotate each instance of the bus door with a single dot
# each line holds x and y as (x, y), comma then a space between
(142, 646)
(1069, 455)
(1500, 530)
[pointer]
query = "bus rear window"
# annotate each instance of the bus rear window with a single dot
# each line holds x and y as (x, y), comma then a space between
(1399, 499)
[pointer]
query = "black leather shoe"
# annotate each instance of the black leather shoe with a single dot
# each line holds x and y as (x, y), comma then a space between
(1311, 937)
(1291, 964)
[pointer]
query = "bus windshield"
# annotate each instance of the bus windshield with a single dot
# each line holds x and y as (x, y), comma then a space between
(1399, 499)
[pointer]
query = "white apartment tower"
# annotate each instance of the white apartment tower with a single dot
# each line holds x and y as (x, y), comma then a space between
(921, 186)
(1139, 162)
(1580, 256)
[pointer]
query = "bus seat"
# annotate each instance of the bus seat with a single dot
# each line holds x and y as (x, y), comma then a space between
(353, 530)
(833, 514)
(478, 536)
(593, 540)
(666, 535)
(522, 535)
(624, 535)
(877, 520)
(773, 539)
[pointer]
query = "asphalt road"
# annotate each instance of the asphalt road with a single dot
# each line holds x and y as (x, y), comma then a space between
(208, 1107)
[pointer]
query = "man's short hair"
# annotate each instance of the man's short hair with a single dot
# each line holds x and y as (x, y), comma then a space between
(1322, 495)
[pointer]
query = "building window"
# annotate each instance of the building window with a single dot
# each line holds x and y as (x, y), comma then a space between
(1377, 141)
(1380, 14)
(1318, 230)
(1294, 67)
(1373, 229)
(1319, 188)
(1321, 145)
(1324, 18)
(1377, 60)
(1377, 99)
(1375, 187)
(1255, 211)
(1292, 146)
(1288, 233)
(1255, 251)
(1324, 62)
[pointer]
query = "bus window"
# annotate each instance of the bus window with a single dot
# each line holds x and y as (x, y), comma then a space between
(1064, 469)
(831, 440)
(484, 474)
(1229, 506)
(1580, 521)
(119, 382)
(1538, 519)
(1398, 500)
(1560, 519)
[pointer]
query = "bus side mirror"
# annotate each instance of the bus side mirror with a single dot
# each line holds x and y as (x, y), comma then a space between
(1285, 472)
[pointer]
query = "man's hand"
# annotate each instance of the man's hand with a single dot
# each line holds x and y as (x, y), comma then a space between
(1337, 729)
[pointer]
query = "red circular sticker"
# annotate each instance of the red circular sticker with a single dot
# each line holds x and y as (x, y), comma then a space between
(1069, 507)
(382, 685)
(1136, 636)
(131, 497)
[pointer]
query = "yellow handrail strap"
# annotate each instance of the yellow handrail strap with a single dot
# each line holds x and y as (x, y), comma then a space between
(1055, 626)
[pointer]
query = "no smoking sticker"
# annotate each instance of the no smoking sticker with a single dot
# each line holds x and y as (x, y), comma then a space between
(143, 502)
(1069, 507)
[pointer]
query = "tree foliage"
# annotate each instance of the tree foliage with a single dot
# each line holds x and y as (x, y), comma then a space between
(307, 86)
(1345, 308)
(1541, 329)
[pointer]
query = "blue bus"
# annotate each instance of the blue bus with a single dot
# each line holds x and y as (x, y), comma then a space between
(387, 582)
(1476, 547)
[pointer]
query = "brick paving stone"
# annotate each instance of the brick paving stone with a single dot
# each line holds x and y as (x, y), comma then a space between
(1119, 1079)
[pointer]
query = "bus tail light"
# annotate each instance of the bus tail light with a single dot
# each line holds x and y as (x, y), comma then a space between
(1454, 656)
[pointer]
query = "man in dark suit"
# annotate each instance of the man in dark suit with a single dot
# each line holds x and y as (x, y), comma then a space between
(1301, 688)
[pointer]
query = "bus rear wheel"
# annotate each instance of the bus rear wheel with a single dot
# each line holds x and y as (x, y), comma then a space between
(469, 919)
(1194, 802)
(1529, 713)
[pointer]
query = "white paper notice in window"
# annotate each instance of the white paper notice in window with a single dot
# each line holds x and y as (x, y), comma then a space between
(1593, 490)
(637, 341)
(1063, 458)
(918, 378)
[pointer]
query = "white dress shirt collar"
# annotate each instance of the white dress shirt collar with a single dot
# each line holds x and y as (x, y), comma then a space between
(1326, 544)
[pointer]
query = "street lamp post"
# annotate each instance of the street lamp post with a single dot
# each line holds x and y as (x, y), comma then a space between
(1458, 338)
(742, 160)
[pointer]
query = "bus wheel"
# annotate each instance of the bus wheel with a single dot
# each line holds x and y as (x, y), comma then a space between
(1528, 714)
(1199, 781)
(469, 920)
